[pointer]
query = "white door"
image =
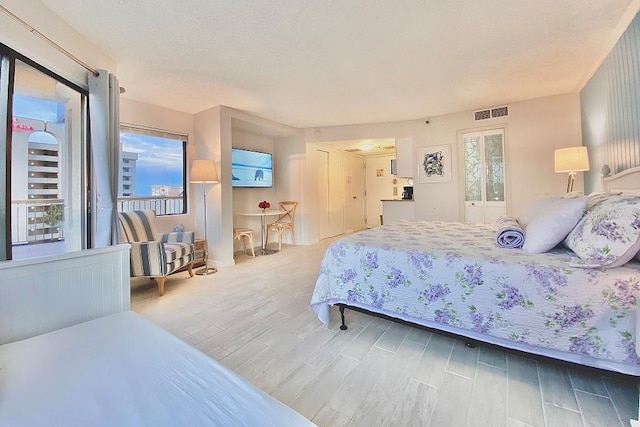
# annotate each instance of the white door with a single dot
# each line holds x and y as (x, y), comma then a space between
(322, 162)
(354, 193)
(336, 194)
(331, 207)
(484, 175)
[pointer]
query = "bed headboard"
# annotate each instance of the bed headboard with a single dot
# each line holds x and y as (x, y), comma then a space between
(40, 295)
(627, 181)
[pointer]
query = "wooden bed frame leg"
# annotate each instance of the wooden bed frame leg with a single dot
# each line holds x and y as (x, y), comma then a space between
(343, 327)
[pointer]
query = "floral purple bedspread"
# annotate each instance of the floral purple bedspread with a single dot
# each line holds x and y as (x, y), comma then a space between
(453, 276)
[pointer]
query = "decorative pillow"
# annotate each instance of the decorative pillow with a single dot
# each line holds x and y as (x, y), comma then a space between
(599, 197)
(535, 209)
(609, 235)
(553, 224)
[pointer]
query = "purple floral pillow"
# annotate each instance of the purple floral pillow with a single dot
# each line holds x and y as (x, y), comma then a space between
(608, 235)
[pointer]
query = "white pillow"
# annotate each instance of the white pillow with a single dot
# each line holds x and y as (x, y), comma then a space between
(609, 235)
(553, 224)
(535, 209)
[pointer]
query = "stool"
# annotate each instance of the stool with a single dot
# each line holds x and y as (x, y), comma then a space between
(244, 233)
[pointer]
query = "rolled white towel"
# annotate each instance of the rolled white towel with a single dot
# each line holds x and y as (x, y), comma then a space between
(509, 233)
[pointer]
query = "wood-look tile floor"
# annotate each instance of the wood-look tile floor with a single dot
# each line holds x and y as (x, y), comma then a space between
(255, 319)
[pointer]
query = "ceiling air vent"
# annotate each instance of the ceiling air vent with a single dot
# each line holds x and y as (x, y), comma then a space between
(491, 113)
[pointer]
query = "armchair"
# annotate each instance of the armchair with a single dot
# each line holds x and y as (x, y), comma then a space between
(152, 254)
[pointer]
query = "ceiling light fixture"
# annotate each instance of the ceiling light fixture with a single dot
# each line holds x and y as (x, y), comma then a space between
(366, 147)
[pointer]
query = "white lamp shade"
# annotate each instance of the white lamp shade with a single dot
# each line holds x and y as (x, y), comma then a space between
(573, 159)
(204, 171)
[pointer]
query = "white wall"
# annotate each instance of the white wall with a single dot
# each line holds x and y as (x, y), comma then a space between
(41, 18)
(290, 163)
(534, 129)
(212, 140)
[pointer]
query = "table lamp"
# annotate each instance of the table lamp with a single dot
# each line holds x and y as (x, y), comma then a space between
(204, 172)
(571, 160)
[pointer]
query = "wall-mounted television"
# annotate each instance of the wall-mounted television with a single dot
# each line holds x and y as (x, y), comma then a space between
(251, 168)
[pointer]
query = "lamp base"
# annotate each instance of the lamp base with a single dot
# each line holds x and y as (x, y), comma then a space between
(572, 178)
(206, 271)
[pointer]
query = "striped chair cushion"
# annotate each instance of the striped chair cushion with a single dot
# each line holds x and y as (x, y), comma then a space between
(176, 251)
(177, 264)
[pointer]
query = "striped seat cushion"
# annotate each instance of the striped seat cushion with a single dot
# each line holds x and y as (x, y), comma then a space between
(176, 251)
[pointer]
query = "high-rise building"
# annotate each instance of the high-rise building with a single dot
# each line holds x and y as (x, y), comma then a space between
(127, 174)
(43, 170)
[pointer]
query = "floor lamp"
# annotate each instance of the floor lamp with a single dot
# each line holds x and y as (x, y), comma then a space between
(204, 172)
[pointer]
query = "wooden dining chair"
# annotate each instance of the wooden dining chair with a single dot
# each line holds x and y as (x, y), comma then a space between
(284, 222)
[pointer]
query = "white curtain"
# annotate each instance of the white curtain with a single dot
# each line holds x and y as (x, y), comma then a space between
(104, 96)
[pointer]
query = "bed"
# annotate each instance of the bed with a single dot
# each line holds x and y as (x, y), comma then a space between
(453, 277)
(73, 353)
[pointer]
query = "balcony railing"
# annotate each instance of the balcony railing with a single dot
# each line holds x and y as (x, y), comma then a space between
(162, 205)
(28, 220)
(28, 216)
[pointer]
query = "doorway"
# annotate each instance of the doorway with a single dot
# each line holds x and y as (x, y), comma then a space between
(484, 175)
(344, 192)
(47, 163)
(381, 185)
(354, 193)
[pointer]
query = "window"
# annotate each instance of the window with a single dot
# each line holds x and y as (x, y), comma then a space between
(152, 171)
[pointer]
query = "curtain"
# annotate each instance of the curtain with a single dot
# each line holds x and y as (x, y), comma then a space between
(104, 112)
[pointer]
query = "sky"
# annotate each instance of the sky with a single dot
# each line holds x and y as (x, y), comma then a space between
(34, 108)
(159, 160)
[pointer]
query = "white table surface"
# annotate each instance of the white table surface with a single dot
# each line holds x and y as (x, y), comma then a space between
(267, 212)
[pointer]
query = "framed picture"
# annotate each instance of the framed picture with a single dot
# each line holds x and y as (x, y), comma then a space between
(434, 164)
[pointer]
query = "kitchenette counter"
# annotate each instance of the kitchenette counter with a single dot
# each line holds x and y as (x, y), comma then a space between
(393, 211)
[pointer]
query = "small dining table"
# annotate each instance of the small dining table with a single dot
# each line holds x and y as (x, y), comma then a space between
(263, 213)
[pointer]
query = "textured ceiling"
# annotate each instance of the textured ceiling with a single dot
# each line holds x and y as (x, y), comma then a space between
(311, 63)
